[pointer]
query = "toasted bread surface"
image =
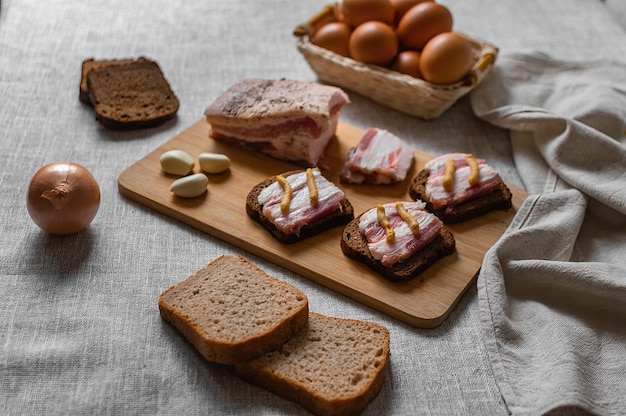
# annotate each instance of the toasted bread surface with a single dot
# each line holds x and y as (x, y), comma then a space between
(232, 311)
(499, 199)
(334, 367)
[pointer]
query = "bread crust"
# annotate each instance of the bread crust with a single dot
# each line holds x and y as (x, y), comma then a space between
(185, 306)
(254, 210)
(275, 372)
(499, 199)
(354, 245)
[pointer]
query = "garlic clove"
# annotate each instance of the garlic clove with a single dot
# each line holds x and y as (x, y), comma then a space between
(176, 162)
(190, 186)
(213, 162)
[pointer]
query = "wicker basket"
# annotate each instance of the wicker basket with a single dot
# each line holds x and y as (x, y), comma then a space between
(390, 88)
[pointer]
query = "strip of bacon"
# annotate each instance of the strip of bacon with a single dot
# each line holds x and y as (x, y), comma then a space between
(462, 189)
(380, 157)
(301, 211)
(406, 242)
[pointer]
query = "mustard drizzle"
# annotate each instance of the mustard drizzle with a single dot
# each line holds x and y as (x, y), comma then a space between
(448, 175)
(286, 199)
(310, 181)
(474, 176)
(390, 235)
(408, 218)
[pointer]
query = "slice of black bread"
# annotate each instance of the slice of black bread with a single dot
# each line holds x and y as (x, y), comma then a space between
(499, 199)
(338, 217)
(92, 64)
(354, 245)
(131, 96)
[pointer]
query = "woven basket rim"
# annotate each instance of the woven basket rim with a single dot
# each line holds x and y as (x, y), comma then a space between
(402, 92)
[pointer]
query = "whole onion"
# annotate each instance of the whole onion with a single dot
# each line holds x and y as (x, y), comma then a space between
(63, 198)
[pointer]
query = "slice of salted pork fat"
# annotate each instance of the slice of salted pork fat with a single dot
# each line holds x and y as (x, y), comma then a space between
(379, 158)
(286, 119)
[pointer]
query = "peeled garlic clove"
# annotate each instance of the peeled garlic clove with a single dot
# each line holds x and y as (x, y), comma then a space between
(176, 162)
(213, 162)
(190, 186)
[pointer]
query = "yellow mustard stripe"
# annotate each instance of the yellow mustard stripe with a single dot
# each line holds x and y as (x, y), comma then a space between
(390, 236)
(310, 181)
(408, 218)
(448, 175)
(286, 199)
(474, 176)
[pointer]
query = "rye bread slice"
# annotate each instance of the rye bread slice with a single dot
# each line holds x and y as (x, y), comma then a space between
(354, 245)
(92, 64)
(340, 216)
(499, 199)
(232, 311)
(131, 96)
(334, 367)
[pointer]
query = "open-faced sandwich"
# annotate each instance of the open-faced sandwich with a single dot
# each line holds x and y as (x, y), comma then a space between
(457, 187)
(397, 239)
(286, 119)
(298, 204)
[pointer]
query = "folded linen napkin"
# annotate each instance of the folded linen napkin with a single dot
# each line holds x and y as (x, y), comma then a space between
(552, 290)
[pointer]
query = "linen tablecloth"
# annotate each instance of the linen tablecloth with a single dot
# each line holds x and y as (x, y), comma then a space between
(80, 330)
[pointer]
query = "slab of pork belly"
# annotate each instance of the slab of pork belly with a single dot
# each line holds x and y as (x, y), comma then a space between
(287, 119)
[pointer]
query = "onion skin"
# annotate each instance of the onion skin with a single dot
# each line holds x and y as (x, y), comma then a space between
(63, 198)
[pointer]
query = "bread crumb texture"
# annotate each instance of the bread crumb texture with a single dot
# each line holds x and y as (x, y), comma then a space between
(231, 300)
(136, 95)
(334, 356)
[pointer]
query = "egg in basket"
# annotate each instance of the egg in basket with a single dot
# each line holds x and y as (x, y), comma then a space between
(408, 59)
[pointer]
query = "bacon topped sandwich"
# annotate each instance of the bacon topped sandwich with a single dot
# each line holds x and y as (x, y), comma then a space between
(298, 204)
(457, 187)
(398, 239)
(286, 119)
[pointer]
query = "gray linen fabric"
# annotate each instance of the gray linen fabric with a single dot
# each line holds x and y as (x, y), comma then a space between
(80, 331)
(552, 291)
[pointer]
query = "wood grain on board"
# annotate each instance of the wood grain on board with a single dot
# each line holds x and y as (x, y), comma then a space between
(423, 302)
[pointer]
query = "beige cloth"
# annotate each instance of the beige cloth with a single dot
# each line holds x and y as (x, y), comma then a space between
(552, 291)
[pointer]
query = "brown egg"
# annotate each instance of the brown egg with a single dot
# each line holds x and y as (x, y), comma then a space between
(356, 12)
(446, 58)
(407, 62)
(335, 37)
(402, 6)
(422, 22)
(374, 43)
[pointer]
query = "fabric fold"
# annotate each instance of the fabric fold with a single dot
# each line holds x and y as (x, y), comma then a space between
(552, 290)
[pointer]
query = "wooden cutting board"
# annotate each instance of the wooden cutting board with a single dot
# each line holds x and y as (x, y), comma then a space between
(423, 302)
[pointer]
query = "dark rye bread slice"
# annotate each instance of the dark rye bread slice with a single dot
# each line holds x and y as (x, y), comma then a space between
(334, 367)
(131, 96)
(499, 199)
(92, 64)
(354, 245)
(340, 216)
(232, 311)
